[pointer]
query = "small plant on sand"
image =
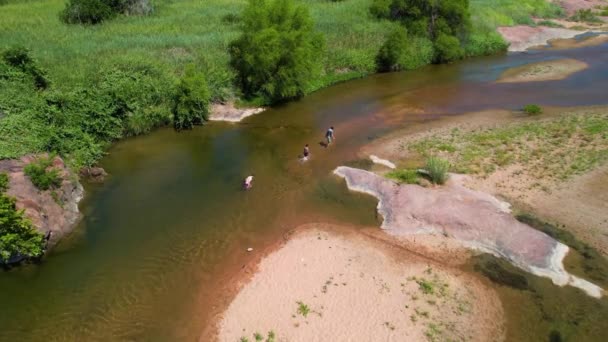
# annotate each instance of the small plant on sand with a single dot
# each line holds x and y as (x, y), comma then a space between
(258, 337)
(532, 109)
(303, 309)
(42, 178)
(426, 286)
(437, 169)
(404, 176)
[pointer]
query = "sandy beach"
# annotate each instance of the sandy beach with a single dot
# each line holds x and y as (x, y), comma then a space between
(328, 283)
(542, 71)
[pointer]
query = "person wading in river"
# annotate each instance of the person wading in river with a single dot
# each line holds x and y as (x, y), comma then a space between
(329, 135)
(247, 183)
(306, 152)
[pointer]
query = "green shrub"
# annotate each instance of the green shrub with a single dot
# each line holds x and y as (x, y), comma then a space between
(585, 15)
(40, 175)
(447, 49)
(3, 182)
(437, 169)
(96, 11)
(19, 57)
(391, 52)
(87, 12)
(532, 109)
(191, 100)
(485, 43)
(427, 18)
(278, 52)
(18, 237)
(404, 176)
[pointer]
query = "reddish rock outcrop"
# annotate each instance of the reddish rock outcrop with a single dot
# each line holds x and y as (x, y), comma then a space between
(53, 211)
(475, 219)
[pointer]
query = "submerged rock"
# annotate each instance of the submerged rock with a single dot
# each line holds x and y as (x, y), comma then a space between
(53, 212)
(476, 219)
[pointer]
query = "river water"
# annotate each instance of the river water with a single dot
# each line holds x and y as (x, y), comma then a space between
(163, 235)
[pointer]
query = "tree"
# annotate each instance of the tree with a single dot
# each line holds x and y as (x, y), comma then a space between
(427, 17)
(191, 100)
(278, 52)
(388, 58)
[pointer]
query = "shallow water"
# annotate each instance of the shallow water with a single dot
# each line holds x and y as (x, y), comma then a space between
(161, 235)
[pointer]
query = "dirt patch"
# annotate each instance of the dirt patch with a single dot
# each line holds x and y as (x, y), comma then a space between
(332, 284)
(51, 210)
(543, 71)
(522, 37)
(558, 44)
(229, 112)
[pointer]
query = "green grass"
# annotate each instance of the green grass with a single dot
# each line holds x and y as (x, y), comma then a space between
(404, 176)
(555, 148)
(40, 173)
(532, 109)
(180, 32)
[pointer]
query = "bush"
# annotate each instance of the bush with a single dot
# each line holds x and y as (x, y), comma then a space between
(532, 109)
(87, 12)
(18, 237)
(485, 43)
(447, 49)
(3, 182)
(585, 15)
(549, 23)
(39, 174)
(96, 11)
(437, 169)
(391, 52)
(191, 100)
(19, 58)
(278, 53)
(404, 176)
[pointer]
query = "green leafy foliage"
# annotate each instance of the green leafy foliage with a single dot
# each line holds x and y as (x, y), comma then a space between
(19, 57)
(532, 109)
(437, 169)
(191, 100)
(3, 182)
(391, 52)
(42, 175)
(447, 49)
(96, 11)
(277, 54)
(18, 238)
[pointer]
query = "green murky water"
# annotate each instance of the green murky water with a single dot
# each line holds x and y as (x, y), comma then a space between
(161, 237)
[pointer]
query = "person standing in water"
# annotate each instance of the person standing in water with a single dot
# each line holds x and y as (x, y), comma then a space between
(306, 152)
(329, 135)
(247, 183)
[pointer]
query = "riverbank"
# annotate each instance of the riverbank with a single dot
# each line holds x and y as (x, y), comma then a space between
(551, 164)
(332, 283)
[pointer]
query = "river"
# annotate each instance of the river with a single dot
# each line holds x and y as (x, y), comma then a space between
(168, 229)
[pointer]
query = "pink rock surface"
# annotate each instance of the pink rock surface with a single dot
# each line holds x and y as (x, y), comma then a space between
(476, 219)
(46, 213)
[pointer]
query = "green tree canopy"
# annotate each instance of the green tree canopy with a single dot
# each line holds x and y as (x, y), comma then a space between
(278, 52)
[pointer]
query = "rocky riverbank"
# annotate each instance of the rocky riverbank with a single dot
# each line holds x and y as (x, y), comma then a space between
(53, 212)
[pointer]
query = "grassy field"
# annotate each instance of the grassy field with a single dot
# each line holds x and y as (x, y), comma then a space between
(556, 148)
(156, 48)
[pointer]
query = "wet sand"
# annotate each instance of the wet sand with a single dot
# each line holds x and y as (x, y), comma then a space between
(330, 283)
(543, 71)
(230, 113)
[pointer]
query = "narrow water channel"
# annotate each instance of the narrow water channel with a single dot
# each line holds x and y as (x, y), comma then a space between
(158, 238)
